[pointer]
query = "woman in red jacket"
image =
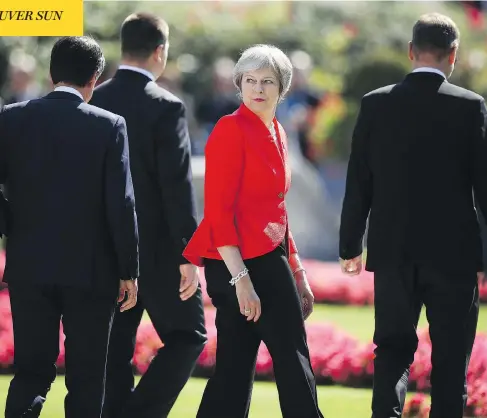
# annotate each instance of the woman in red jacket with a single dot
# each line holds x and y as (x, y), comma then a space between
(254, 276)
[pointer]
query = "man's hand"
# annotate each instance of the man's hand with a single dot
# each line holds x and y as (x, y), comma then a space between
(189, 280)
(352, 267)
(129, 287)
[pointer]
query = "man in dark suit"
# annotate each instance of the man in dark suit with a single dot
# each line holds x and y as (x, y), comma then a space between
(161, 168)
(72, 232)
(419, 152)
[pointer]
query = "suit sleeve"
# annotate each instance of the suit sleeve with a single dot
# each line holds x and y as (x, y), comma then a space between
(175, 176)
(5, 218)
(224, 167)
(120, 203)
(358, 190)
(480, 158)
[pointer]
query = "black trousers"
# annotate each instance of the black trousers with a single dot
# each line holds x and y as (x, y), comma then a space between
(181, 327)
(280, 327)
(36, 313)
(452, 306)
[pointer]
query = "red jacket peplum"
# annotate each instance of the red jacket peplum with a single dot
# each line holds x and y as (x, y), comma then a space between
(246, 180)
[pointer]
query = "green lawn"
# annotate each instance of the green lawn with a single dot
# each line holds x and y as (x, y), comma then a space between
(335, 401)
(359, 320)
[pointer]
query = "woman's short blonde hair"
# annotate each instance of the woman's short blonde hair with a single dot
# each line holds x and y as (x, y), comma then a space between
(265, 56)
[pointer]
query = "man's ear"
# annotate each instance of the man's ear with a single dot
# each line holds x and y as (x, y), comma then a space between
(410, 51)
(158, 53)
(91, 84)
(452, 58)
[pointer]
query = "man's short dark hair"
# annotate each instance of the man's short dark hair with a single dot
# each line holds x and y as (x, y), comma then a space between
(436, 34)
(141, 34)
(76, 60)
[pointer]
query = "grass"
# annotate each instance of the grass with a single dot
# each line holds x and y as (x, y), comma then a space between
(334, 401)
(359, 320)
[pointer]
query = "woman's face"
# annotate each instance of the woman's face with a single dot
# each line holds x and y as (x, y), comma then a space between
(260, 91)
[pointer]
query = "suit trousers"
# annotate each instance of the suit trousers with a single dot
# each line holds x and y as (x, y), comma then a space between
(280, 327)
(86, 317)
(452, 305)
(181, 327)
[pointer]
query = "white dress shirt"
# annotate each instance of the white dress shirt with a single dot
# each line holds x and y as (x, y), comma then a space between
(72, 90)
(429, 70)
(138, 70)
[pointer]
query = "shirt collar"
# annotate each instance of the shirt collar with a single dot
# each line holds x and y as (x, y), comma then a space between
(429, 70)
(71, 90)
(138, 70)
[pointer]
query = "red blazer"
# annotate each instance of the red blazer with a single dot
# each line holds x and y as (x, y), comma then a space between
(246, 179)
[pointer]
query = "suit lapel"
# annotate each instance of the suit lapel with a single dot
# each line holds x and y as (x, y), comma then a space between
(273, 155)
(257, 133)
(261, 141)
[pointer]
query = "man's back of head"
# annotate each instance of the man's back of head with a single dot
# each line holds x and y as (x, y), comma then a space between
(144, 42)
(77, 61)
(435, 41)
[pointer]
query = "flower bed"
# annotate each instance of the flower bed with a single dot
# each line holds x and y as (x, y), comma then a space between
(337, 358)
(331, 286)
(418, 406)
(328, 283)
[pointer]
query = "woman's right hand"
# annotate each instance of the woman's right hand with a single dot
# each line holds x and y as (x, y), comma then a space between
(248, 300)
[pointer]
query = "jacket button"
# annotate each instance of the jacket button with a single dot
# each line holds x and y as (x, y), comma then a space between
(281, 195)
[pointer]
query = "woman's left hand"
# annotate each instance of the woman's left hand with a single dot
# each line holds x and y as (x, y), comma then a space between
(305, 293)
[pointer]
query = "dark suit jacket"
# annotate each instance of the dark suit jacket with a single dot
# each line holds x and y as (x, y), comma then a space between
(419, 154)
(160, 163)
(72, 219)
